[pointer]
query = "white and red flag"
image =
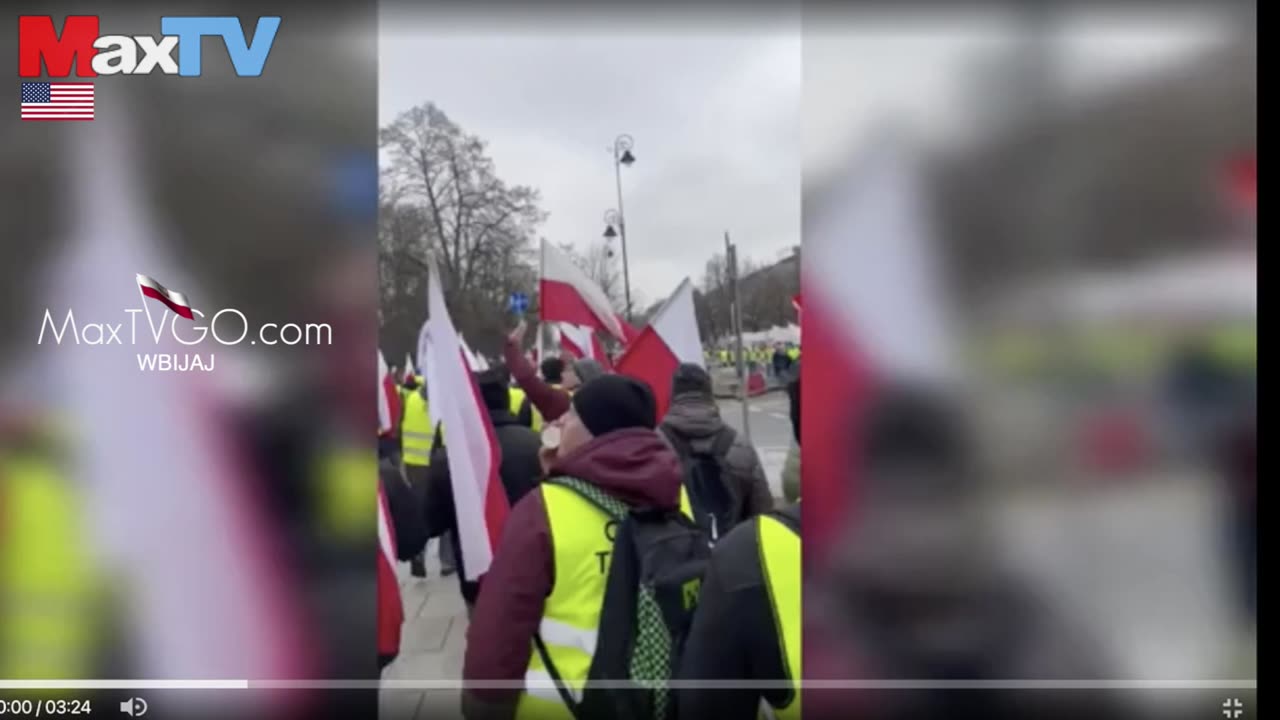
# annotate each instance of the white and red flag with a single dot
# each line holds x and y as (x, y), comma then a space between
(172, 299)
(629, 332)
(476, 362)
(390, 605)
(568, 295)
(873, 312)
(388, 397)
(670, 338)
(474, 456)
(582, 342)
(136, 432)
(408, 370)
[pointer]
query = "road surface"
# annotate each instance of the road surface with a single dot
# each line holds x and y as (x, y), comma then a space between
(770, 422)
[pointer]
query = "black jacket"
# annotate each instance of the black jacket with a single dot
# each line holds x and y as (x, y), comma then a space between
(520, 472)
(409, 523)
(696, 419)
(733, 597)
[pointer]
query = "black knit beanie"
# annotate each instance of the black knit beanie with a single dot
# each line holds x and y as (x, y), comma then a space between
(615, 402)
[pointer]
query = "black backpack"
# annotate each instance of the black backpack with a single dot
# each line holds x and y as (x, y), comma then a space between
(714, 504)
(651, 592)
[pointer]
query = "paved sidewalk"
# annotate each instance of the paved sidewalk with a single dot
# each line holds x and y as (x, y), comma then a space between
(431, 646)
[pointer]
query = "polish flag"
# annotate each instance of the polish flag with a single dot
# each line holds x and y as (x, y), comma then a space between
(568, 295)
(629, 332)
(670, 338)
(390, 604)
(407, 370)
(135, 432)
(476, 362)
(873, 312)
(474, 456)
(172, 299)
(388, 397)
(581, 342)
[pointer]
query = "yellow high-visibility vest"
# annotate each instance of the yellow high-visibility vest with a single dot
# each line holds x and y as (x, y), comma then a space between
(516, 398)
(50, 610)
(780, 564)
(348, 493)
(535, 418)
(416, 430)
(582, 546)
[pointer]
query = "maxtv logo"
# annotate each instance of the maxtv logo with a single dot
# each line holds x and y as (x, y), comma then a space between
(82, 47)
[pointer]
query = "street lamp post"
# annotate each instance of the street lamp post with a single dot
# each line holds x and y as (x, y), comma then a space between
(622, 156)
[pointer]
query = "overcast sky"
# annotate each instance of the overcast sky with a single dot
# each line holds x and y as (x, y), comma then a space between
(715, 108)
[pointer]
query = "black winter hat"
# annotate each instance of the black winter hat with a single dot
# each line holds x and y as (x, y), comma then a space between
(495, 388)
(615, 402)
(690, 378)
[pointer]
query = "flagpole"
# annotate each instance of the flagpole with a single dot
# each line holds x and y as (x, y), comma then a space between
(542, 264)
(731, 260)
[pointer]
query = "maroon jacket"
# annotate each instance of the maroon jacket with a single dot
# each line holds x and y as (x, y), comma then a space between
(633, 465)
(551, 402)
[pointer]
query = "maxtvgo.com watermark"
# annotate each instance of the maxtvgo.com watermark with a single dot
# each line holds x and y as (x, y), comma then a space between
(227, 327)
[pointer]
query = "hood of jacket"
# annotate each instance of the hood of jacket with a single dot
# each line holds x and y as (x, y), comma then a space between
(634, 465)
(694, 416)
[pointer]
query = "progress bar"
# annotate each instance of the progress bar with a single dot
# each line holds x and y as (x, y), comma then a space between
(442, 684)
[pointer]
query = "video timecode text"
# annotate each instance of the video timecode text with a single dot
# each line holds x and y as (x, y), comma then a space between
(44, 708)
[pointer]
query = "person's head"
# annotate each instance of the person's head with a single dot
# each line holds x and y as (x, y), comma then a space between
(553, 370)
(410, 382)
(919, 553)
(606, 404)
(494, 388)
(581, 372)
(690, 380)
(915, 444)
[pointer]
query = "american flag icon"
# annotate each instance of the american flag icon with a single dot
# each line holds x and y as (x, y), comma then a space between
(57, 101)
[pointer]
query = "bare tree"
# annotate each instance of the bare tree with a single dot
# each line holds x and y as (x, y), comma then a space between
(717, 301)
(442, 198)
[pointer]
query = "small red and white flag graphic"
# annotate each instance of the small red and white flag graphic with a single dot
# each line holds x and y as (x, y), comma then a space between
(670, 339)
(174, 300)
(57, 101)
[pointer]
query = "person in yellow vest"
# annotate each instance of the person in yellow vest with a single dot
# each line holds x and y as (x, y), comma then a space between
(518, 399)
(548, 574)
(748, 624)
(55, 610)
(416, 435)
